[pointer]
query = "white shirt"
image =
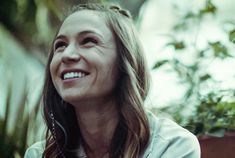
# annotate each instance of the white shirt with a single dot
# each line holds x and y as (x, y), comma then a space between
(167, 140)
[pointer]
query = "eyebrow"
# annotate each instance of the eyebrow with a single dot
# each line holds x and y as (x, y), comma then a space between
(79, 34)
(89, 31)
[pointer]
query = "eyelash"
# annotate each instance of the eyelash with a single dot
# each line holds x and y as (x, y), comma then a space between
(88, 40)
(59, 44)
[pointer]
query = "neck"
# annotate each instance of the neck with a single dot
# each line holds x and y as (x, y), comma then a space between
(97, 121)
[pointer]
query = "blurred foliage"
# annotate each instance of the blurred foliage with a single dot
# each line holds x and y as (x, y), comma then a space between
(212, 114)
(14, 143)
(27, 28)
(20, 98)
(178, 45)
(232, 36)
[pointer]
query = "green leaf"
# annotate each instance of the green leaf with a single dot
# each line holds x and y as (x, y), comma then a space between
(209, 8)
(189, 15)
(205, 77)
(159, 64)
(232, 36)
(188, 93)
(178, 45)
(181, 26)
(219, 49)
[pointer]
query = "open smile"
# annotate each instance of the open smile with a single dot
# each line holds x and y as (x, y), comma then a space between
(72, 74)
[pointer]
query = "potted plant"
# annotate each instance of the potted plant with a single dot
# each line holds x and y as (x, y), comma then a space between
(213, 121)
(213, 116)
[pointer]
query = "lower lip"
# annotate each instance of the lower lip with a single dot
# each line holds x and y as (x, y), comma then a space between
(72, 80)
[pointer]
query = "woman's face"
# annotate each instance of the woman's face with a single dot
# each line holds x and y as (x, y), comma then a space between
(83, 67)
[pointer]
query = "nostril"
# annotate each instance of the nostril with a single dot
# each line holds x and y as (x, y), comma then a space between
(70, 58)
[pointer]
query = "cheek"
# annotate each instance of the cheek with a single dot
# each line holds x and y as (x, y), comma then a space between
(113, 67)
(112, 73)
(115, 75)
(53, 66)
(53, 70)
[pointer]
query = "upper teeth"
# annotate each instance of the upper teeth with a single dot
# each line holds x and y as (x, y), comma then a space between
(73, 75)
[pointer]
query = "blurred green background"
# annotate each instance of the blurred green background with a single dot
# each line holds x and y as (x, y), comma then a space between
(206, 104)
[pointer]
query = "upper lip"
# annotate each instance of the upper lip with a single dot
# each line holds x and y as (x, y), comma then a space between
(73, 70)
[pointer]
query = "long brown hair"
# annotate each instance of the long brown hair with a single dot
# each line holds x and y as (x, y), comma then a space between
(132, 133)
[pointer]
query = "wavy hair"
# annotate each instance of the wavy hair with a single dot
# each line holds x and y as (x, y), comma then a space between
(132, 133)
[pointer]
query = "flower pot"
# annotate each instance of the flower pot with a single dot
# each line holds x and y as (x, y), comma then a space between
(218, 147)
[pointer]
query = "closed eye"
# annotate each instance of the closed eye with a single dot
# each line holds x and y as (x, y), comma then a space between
(60, 45)
(89, 42)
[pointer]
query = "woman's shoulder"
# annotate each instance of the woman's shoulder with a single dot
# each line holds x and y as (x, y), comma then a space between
(166, 128)
(169, 138)
(35, 150)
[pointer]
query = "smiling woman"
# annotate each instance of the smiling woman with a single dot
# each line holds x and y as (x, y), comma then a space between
(86, 47)
(95, 87)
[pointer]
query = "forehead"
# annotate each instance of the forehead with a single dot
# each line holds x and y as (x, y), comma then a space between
(84, 20)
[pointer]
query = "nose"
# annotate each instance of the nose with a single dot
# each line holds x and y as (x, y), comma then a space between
(70, 55)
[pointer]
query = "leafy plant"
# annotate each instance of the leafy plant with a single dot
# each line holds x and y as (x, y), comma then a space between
(201, 110)
(19, 114)
(212, 116)
(14, 143)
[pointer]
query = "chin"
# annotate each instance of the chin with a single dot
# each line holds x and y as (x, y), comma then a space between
(71, 99)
